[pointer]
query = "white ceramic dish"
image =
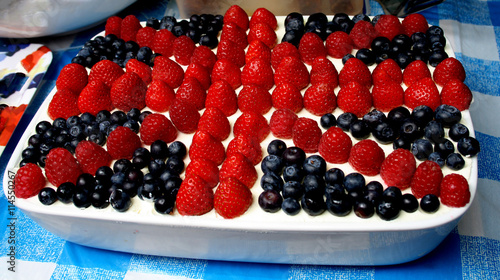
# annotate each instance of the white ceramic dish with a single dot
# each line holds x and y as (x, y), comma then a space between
(254, 237)
(37, 18)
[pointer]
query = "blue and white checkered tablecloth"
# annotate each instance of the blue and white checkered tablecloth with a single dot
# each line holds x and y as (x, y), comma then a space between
(471, 251)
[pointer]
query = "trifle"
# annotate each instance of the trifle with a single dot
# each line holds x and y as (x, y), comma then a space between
(318, 134)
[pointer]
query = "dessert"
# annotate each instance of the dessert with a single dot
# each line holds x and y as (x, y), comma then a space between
(302, 162)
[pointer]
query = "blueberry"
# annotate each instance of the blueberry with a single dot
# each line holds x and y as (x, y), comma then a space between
(292, 189)
(294, 155)
(436, 56)
(367, 56)
(334, 190)
(374, 186)
(393, 194)
(340, 17)
(156, 167)
(122, 165)
(381, 45)
(339, 205)
(120, 200)
(164, 204)
(293, 173)
(458, 131)
(133, 125)
(314, 184)
(30, 154)
(102, 116)
(437, 158)
(360, 129)
(59, 123)
(410, 130)
(153, 23)
(271, 181)
(104, 173)
(150, 190)
(328, 120)
(177, 148)
(276, 147)
(421, 149)
(444, 148)
(374, 117)
(314, 164)
(294, 16)
(360, 17)
(141, 151)
(401, 143)
(270, 201)
(47, 196)
(385, 133)
(364, 208)
(293, 37)
(409, 203)
(65, 192)
(455, 161)
(81, 198)
(35, 140)
(171, 186)
(85, 181)
(133, 114)
(175, 164)
(346, 57)
(99, 199)
(434, 30)
(397, 116)
(402, 40)
(272, 163)
(429, 203)
(118, 178)
(345, 120)
(313, 204)
(346, 25)
(130, 187)
(468, 146)
(290, 206)
(434, 132)
(448, 115)
(209, 39)
(354, 182)
(334, 176)
(388, 210)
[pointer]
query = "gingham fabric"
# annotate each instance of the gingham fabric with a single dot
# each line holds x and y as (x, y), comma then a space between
(471, 251)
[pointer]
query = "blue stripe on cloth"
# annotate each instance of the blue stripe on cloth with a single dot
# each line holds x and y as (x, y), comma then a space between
(480, 257)
(72, 272)
(88, 257)
(488, 159)
(467, 11)
(479, 75)
(494, 7)
(216, 270)
(442, 263)
(331, 272)
(181, 267)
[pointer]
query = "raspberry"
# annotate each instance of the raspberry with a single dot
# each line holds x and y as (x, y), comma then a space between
(95, 97)
(287, 96)
(247, 146)
(310, 47)
(306, 134)
(335, 145)
(455, 190)
(257, 49)
(237, 15)
(231, 51)
(225, 70)
(258, 72)
(192, 92)
(366, 157)
(232, 32)
(91, 156)
(264, 33)
(184, 116)
(292, 70)
(72, 77)
(448, 69)
(222, 96)
(159, 96)
(194, 197)
(106, 71)
(422, 92)
(415, 71)
(320, 99)
(232, 198)
(281, 123)
(387, 96)
(129, 28)
(129, 91)
(204, 146)
(263, 15)
(145, 36)
(113, 26)
(456, 94)
(398, 168)
(199, 72)
(254, 98)
(168, 71)
(355, 70)
(183, 48)
(63, 105)
(214, 122)
(282, 50)
(61, 167)
(324, 72)
(413, 23)
(427, 179)
(388, 26)
(239, 167)
(205, 169)
(122, 142)
(204, 56)
(157, 127)
(251, 124)
(362, 34)
(354, 98)
(163, 43)
(387, 70)
(29, 180)
(338, 44)
(140, 68)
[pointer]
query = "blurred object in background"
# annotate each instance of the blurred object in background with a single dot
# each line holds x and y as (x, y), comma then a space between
(402, 8)
(37, 18)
